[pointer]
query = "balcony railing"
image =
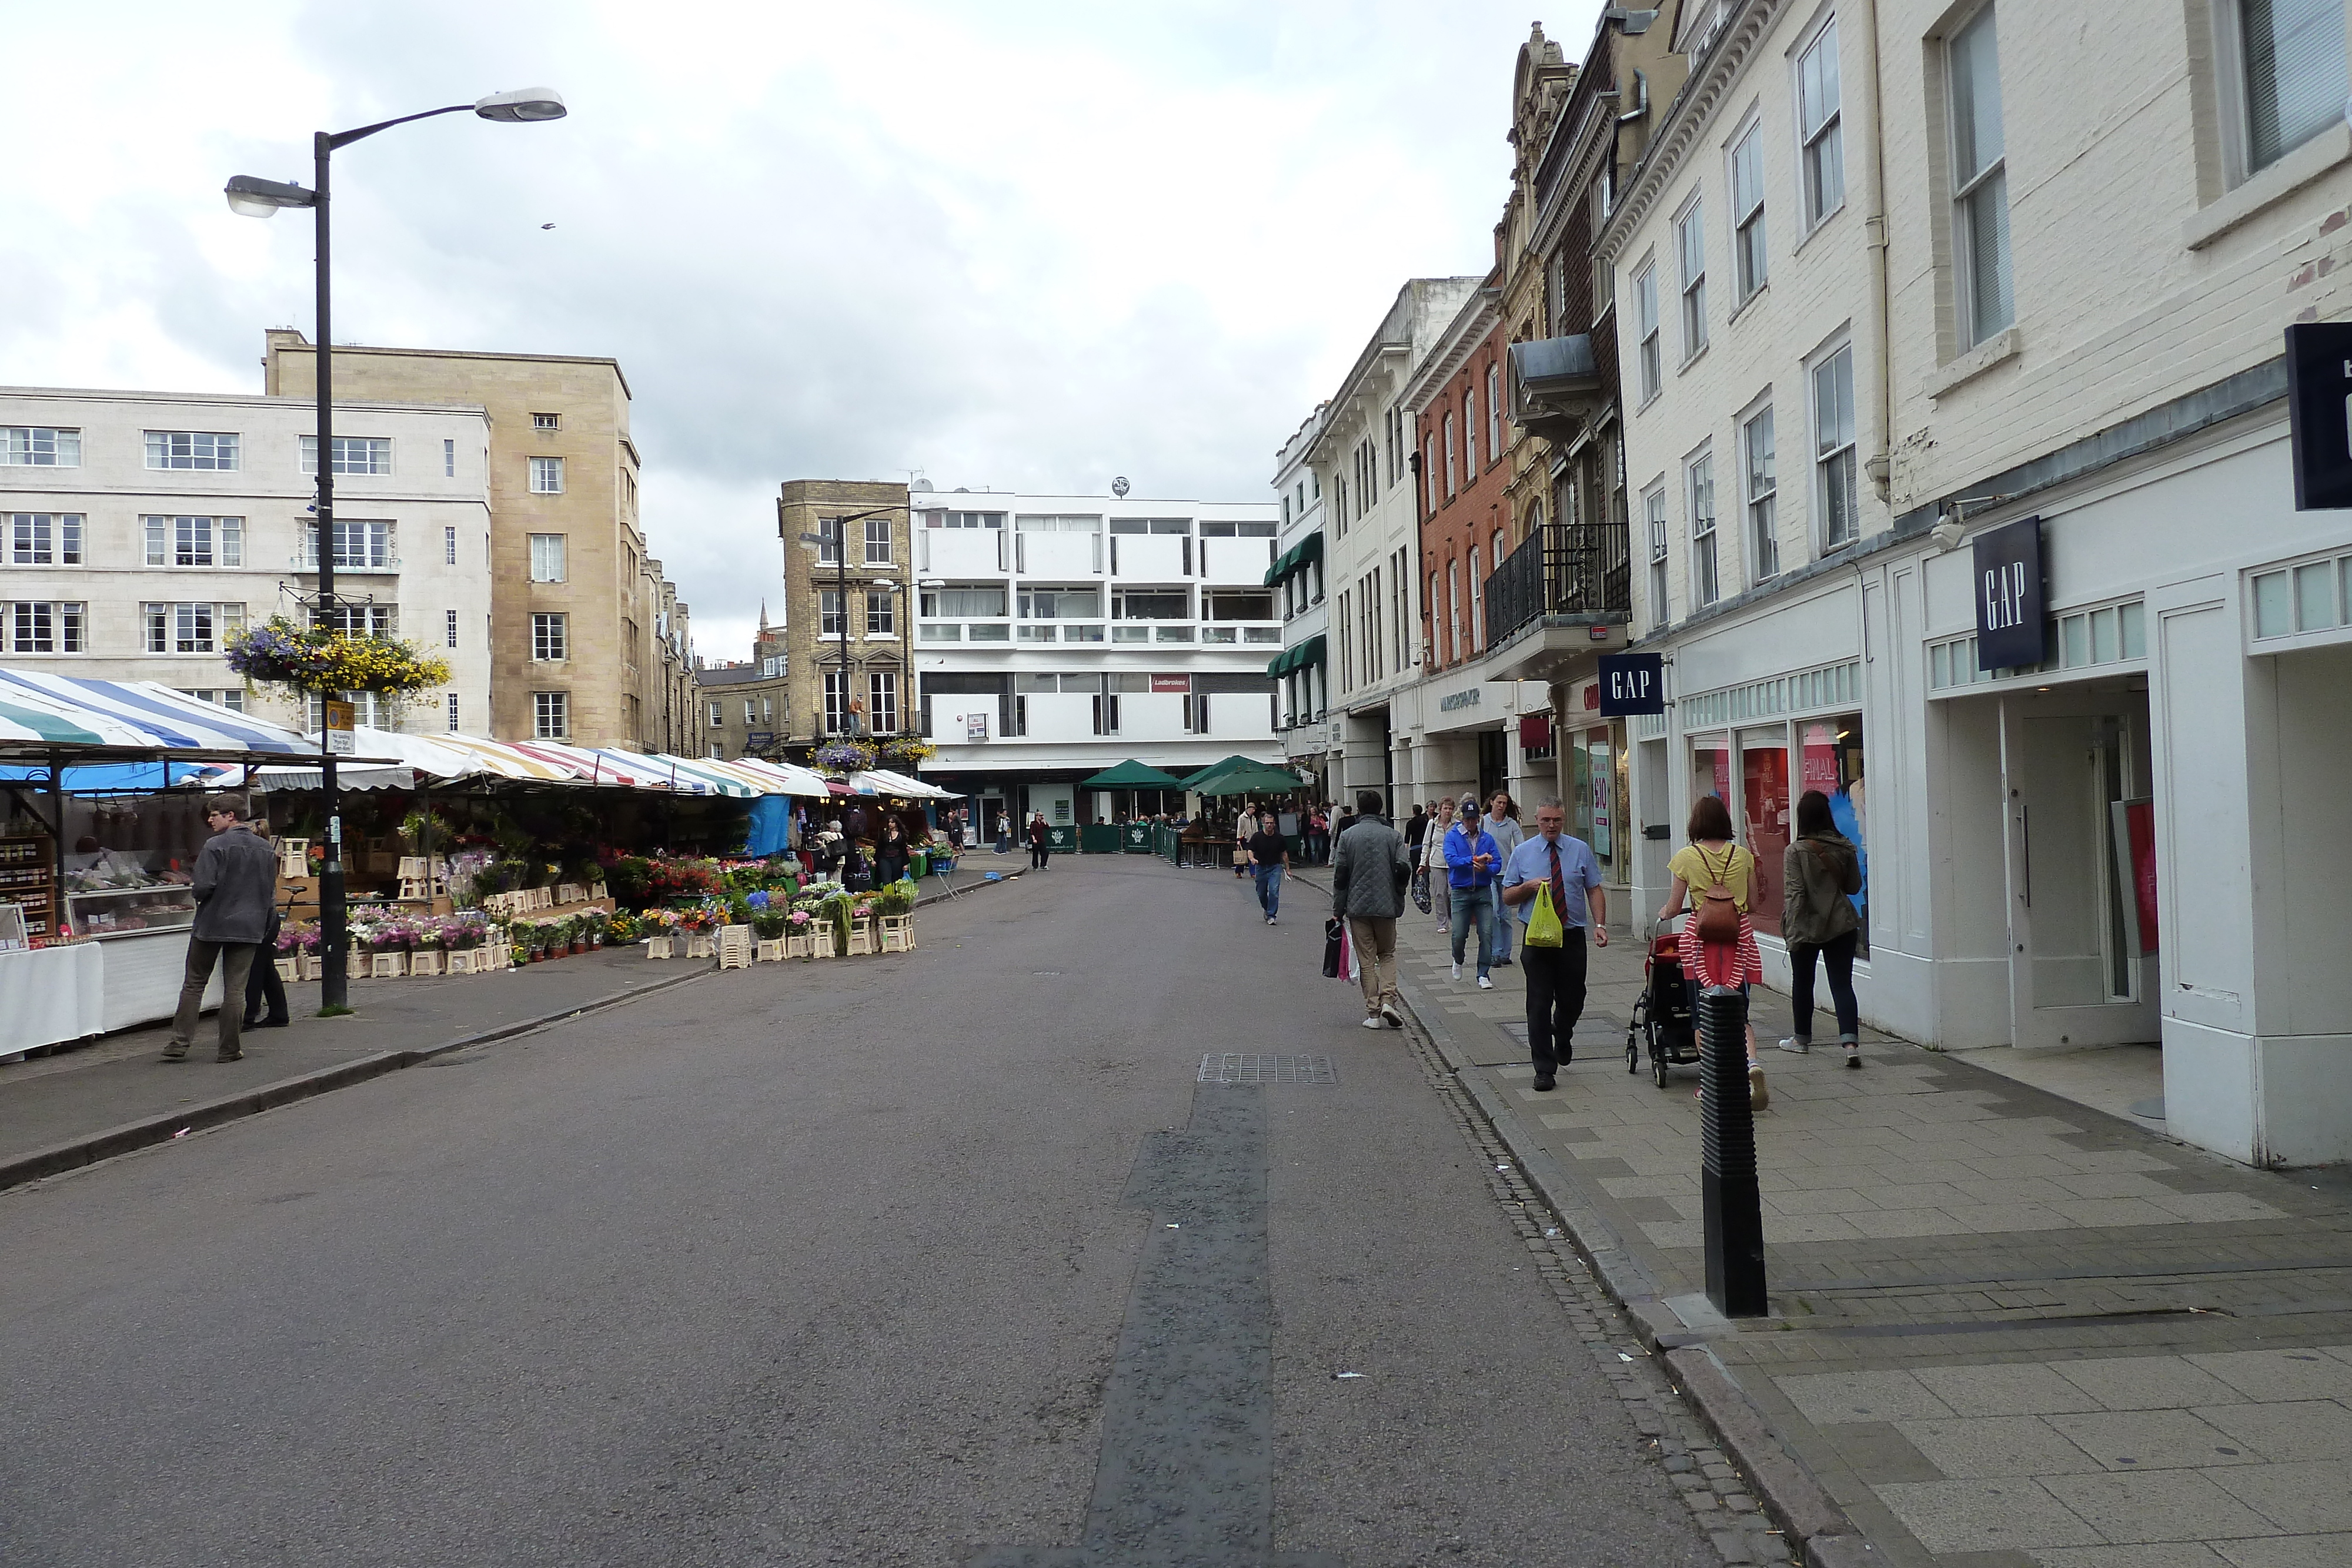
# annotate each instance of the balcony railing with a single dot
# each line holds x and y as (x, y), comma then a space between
(1563, 569)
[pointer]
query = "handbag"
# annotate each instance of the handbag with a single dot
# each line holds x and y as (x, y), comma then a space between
(1421, 890)
(1334, 938)
(1718, 913)
(1544, 926)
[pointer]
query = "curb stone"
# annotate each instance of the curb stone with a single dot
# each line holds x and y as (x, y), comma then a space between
(1790, 1493)
(73, 1154)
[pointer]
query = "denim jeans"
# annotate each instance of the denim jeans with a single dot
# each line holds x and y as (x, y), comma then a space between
(1504, 921)
(1474, 906)
(1837, 955)
(1269, 888)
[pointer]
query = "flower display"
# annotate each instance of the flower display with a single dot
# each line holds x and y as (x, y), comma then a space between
(907, 750)
(301, 660)
(843, 756)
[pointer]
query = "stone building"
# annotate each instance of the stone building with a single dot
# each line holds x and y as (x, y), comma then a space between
(587, 642)
(744, 708)
(848, 634)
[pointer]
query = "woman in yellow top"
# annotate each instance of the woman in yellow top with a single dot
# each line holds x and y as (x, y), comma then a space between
(1712, 858)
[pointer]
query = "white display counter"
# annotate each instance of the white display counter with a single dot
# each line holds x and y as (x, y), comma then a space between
(52, 995)
(143, 974)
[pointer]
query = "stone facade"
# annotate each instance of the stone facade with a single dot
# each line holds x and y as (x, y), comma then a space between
(871, 637)
(588, 642)
(744, 709)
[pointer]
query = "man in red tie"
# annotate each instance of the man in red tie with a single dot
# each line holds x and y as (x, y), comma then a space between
(1555, 975)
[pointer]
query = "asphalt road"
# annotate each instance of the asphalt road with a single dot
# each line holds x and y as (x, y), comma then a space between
(930, 1260)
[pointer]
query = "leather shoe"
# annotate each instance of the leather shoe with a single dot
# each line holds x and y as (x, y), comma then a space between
(1546, 1082)
(229, 1056)
(269, 1023)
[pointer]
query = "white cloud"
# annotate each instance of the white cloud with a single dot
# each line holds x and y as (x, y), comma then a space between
(1009, 244)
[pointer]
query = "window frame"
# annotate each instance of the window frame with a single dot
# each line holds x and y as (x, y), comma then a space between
(44, 538)
(163, 622)
(551, 716)
(191, 542)
(1823, 141)
(1824, 459)
(880, 539)
(1750, 233)
(882, 607)
(1760, 507)
(550, 637)
(225, 453)
(1990, 180)
(2231, 64)
(1706, 549)
(1650, 350)
(60, 436)
(560, 551)
(543, 468)
(307, 454)
(1690, 246)
(449, 628)
(1660, 551)
(67, 630)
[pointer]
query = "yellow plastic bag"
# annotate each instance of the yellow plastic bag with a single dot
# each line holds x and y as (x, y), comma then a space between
(1544, 929)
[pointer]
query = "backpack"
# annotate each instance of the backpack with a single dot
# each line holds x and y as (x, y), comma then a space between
(1718, 913)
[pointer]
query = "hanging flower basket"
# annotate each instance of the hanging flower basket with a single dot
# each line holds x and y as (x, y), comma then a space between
(840, 758)
(907, 751)
(301, 660)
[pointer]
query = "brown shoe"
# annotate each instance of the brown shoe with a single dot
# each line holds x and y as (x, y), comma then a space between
(230, 1056)
(175, 1052)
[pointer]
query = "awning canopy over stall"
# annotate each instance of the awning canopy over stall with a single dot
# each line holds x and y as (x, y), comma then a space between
(1132, 775)
(1254, 780)
(78, 720)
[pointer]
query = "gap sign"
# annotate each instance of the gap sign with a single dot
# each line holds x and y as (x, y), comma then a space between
(2319, 413)
(2010, 634)
(1631, 684)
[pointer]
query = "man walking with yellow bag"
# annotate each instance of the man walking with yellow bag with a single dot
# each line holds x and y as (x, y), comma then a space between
(1554, 884)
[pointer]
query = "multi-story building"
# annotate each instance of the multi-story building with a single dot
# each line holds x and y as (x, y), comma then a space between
(1301, 672)
(659, 666)
(574, 603)
(745, 709)
(1057, 635)
(1363, 456)
(143, 529)
(2011, 293)
(848, 632)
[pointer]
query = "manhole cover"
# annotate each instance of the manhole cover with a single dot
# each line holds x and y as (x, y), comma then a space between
(1246, 1067)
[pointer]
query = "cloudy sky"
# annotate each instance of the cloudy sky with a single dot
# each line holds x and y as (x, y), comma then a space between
(998, 244)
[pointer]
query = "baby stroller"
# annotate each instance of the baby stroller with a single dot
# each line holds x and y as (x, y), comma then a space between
(1662, 1015)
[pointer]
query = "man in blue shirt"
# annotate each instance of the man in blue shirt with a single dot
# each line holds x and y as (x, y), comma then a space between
(1556, 975)
(1470, 860)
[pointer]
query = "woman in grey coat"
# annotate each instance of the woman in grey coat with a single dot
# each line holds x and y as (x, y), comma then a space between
(1818, 870)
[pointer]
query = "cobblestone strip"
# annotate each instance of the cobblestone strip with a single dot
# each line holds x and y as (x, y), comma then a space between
(1719, 1500)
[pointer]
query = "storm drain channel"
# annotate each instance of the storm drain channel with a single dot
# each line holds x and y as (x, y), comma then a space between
(1246, 1067)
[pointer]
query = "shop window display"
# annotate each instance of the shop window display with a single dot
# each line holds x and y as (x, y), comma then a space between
(131, 862)
(1830, 759)
(1767, 814)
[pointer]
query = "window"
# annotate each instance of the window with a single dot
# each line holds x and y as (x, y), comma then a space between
(229, 697)
(1209, 531)
(836, 702)
(360, 546)
(38, 447)
(195, 541)
(1707, 582)
(547, 558)
(881, 614)
(44, 538)
(547, 480)
(1449, 456)
(1494, 410)
(1454, 605)
(1820, 128)
(1478, 604)
(450, 546)
(449, 468)
(1646, 326)
(1690, 249)
(957, 603)
(190, 628)
(548, 637)
(877, 541)
(547, 421)
(449, 631)
(1653, 513)
(1063, 604)
(453, 713)
(1833, 460)
(370, 710)
(882, 702)
(964, 521)
(1979, 180)
(1763, 495)
(1749, 268)
(2289, 73)
(353, 455)
(718, 716)
(359, 620)
(39, 628)
(832, 621)
(198, 449)
(551, 716)
(1470, 435)
(828, 541)
(1429, 474)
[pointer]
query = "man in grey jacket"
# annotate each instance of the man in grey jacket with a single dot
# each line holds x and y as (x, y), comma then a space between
(235, 886)
(1370, 870)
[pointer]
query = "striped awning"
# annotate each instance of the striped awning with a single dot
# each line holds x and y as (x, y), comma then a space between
(687, 771)
(37, 707)
(784, 778)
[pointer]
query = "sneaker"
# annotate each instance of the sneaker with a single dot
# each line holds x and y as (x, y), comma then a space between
(1394, 1019)
(1852, 1057)
(1546, 1084)
(1503, 962)
(1797, 1044)
(229, 1056)
(1269, 920)
(175, 1052)
(1457, 969)
(1484, 984)
(1758, 1097)
(1373, 1021)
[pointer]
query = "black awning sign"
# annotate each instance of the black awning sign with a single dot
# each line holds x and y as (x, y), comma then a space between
(2011, 632)
(2319, 413)
(1631, 684)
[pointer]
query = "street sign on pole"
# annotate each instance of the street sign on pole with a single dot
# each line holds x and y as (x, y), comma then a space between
(339, 720)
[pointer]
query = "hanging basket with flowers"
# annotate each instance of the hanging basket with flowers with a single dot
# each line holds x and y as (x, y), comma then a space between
(840, 758)
(907, 751)
(303, 660)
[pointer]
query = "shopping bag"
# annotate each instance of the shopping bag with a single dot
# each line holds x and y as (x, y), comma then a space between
(1544, 928)
(1334, 943)
(1421, 890)
(1347, 947)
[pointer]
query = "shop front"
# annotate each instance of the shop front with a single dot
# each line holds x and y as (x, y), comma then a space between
(1457, 734)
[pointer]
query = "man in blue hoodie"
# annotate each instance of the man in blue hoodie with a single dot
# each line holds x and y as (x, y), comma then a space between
(1471, 861)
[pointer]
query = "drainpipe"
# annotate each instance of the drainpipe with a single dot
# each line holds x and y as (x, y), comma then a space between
(1879, 466)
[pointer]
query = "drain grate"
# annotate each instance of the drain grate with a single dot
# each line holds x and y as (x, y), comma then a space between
(1248, 1067)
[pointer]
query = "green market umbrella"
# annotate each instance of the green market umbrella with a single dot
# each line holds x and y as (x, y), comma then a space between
(1219, 769)
(1256, 779)
(1132, 775)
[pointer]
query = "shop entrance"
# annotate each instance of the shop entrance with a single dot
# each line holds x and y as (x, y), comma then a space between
(2079, 855)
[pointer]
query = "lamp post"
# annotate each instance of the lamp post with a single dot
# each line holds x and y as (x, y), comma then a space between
(253, 198)
(841, 577)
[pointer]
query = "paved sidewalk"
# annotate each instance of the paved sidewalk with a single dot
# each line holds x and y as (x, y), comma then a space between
(2008, 1330)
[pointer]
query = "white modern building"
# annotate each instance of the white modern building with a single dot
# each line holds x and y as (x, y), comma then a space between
(142, 529)
(1302, 672)
(1058, 636)
(1905, 312)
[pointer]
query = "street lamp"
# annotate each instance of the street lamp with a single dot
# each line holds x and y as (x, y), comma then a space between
(815, 541)
(253, 198)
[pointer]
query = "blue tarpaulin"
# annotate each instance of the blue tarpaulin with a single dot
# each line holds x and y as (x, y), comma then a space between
(771, 817)
(101, 779)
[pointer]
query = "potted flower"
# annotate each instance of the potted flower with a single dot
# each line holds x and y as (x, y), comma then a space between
(768, 924)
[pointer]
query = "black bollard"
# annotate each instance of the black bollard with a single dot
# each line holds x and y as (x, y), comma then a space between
(1734, 1212)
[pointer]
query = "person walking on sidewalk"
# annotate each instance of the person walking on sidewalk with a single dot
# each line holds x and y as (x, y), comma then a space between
(1711, 861)
(1565, 867)
(1370, 869)
(1041, 841)
(1471, 861)
(1270, 858)
(1432, 859)
(236, 885)
(1820, 869)
(1502, 824)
